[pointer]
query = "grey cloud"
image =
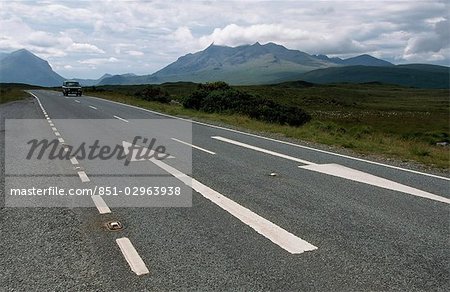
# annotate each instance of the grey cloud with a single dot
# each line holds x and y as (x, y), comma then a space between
(163, 30)
(432, 42)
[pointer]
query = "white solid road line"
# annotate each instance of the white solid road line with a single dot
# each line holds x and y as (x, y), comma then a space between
(193, 146)
(274, 140)
(92, 107)
(130, 254)
(83, 176)
(100, 204)
(119, 118)
(262, 150)
(359, 176)
(76, 100)
(274, 233)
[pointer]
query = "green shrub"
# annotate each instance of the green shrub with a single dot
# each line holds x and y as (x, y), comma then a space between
(221, 98)
(152, 93)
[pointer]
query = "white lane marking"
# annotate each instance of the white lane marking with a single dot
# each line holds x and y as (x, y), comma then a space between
(119, 118)
(54, 129)
(359, 176)
(262, 150)
(73, 160)
(47, 118)
(274, 233)
(52, 125)
(83, 176)
(92, 107)
(100, 204)
(76, 100)
(61, 140)
(274, 140)
(57, 134)
(193, 146)
(130, 254)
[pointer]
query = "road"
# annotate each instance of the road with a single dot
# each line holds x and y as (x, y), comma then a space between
(259, 214)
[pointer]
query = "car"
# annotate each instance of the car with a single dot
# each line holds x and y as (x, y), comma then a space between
(70, 86)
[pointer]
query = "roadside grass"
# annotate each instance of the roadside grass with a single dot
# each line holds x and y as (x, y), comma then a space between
(370, 119)
(12, 91)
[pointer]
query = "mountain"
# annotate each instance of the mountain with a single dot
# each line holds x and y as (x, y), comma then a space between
(91, 82)
(23, 67)
(412, 75)
(248, 64)
(2, 55)
(364, 60)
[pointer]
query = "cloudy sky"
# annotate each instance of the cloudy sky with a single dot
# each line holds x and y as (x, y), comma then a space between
(89, 38)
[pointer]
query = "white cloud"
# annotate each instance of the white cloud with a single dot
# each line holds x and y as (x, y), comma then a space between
(431, 45)
(135, 53)
(84, 48)
(82, 35)
(98, 61)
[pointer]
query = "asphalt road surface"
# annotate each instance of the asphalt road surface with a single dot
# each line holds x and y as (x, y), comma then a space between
(255, 213)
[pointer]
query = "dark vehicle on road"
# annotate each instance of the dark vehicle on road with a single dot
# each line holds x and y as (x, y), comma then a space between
(69, 87)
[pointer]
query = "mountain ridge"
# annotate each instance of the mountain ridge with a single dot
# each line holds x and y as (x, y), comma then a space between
(22, 66)
(243, 65)
(246, 64)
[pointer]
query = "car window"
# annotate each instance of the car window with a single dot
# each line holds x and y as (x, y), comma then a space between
(72, 84)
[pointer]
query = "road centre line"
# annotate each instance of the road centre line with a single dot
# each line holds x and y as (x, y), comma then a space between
(100, 204)
(271, 231)
(93, 107)
(83, 176)
(76, 100)
(193, 146)
(130, 254)
(275, 140)
(122, 119)
(262, 150)
(98, 200)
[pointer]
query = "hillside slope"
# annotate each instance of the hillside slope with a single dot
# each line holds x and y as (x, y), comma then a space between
(416, 75)
(24, 67)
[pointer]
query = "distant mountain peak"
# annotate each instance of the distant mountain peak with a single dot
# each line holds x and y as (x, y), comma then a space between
(38, 71)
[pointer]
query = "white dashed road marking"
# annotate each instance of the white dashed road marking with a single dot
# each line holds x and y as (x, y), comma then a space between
(359, 176)
(136, 263)
(83, 176)
(122, 119)
(274, 233)
(193, 146)
(262, 150)
(100, 204)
